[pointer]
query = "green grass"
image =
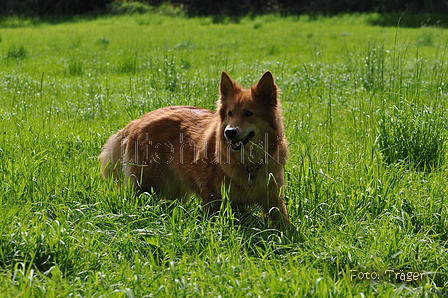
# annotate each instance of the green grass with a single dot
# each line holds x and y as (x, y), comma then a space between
(354, 204)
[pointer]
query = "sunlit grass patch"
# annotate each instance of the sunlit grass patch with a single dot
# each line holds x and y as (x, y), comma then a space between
(16, 52)
(414, 135)
(74, 67)
(128, 63)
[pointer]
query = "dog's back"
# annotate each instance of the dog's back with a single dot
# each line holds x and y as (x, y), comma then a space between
(157, 152)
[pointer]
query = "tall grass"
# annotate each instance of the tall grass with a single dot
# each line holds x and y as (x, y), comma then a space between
(16, 52)
(414, 135)
(364, 110)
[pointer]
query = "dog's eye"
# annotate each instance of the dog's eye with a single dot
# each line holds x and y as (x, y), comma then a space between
(248, 113)
(230, 113)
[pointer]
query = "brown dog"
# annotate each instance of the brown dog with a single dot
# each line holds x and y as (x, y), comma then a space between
(180, 150)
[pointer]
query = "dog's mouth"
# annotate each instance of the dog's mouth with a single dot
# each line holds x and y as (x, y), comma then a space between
(237, 145)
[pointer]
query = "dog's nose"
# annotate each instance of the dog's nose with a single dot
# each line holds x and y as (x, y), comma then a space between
(230, 133)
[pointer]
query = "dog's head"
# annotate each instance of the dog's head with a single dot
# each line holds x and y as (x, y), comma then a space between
(248, 115)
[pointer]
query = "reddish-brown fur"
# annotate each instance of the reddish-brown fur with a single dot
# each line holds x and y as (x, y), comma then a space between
(179, 150)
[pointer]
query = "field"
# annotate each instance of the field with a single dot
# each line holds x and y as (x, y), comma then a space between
(365, 111)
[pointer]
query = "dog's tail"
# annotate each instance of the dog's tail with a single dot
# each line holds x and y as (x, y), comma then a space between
(111, 157)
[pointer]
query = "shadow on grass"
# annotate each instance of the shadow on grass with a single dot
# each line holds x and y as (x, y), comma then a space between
(408, 20)
(374, 19)
(21, 22)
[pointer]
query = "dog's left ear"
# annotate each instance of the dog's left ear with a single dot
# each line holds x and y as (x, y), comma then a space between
(266, 88)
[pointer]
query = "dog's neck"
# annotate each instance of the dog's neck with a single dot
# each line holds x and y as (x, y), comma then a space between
(250, 172)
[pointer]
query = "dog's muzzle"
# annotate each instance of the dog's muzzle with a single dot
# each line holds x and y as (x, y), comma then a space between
(231, 135)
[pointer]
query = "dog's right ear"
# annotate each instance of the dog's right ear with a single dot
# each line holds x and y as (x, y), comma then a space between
(227, 85)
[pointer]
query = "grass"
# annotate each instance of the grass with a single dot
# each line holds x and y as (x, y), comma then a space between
(413, 135)
(354, 204)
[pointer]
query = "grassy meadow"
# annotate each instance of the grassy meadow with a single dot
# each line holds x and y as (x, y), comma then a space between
(365, 111)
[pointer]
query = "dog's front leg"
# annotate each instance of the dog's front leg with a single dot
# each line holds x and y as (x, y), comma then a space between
(276, 210)
(211, 202)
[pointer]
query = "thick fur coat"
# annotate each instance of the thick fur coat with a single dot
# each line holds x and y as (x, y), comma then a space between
(178, 151)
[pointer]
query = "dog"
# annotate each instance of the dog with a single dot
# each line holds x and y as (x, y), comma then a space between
(177, 151)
